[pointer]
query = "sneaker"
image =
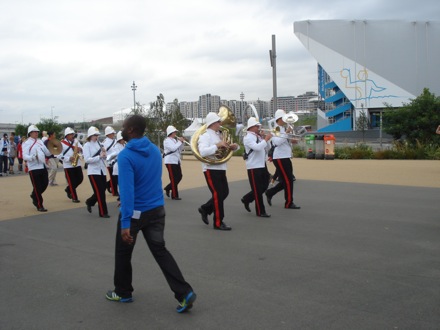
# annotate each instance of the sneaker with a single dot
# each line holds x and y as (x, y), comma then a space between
(187, 302)
(111, 295)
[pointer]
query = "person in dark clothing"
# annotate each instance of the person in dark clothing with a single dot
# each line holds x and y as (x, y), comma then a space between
(142, 209)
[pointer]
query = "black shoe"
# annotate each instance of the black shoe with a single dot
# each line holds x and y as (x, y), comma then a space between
(177, 198)
(293, 207)
(269, 199)
(104, 216)
(204, 215)
(167, 192)
(264, 215)
(89, 208)
(42, 209)
(222, 227)
(75, 200)
(34, 202)
(69, 196)
(246, 205)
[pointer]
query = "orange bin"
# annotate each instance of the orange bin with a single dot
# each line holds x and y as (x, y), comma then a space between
(329, 146)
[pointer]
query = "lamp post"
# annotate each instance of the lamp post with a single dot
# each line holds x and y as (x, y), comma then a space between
(242, 107)
(133, 88)
(273, 64)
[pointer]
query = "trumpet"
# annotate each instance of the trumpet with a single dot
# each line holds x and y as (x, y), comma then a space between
(277, 132)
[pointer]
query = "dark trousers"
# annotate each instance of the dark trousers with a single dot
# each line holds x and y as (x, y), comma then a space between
(40, 181)
(74, 177)
(218, 185)
(98, 183)
(112, 185)
(20, 164)
(152, 224)
(175, 174)
(285, 172)
(3, 164)
(259, 181)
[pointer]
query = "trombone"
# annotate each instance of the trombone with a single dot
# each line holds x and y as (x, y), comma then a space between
(183, 140)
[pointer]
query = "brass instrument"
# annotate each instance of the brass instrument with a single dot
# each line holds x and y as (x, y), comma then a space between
(277, 132)
(224, 154)
(183, 140)
(75, 154)
(54, 146)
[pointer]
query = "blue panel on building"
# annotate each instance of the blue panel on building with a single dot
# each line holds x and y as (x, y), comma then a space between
(340, 126)
(339, 110)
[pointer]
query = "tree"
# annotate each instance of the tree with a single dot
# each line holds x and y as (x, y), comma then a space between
(362, 124)
(21, 130)
(156, 121)
(416, 121)
(49, 125)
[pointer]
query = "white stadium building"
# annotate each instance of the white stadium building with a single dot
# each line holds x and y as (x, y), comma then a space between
(364, 65)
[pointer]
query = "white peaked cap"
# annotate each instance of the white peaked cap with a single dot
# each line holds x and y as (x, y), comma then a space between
(92, 131)
(33, 128)
(212, 118)
(279, 114)
(68, 131)
(171, 129)
(109, 130)
(252, 122)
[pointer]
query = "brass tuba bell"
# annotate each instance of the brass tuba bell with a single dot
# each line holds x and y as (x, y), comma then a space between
(227, 120)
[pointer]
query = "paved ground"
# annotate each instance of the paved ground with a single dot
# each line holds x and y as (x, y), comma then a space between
(356, 256)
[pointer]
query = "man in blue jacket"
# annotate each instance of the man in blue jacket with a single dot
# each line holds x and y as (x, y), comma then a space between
(142, 209)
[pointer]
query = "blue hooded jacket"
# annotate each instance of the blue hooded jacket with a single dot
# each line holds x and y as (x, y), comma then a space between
(140, 178)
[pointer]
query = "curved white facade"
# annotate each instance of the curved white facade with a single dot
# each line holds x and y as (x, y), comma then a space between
(375, 62)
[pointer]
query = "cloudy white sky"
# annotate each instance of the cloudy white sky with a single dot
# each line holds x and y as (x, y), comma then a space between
(77, 59)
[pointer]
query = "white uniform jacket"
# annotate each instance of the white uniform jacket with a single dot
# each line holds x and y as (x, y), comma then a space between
(68, 152)
(172, 148)
(112, 156)
(108, 144)
(207, 148)
(95, 164)
(35, 153)
(283, 148)
(257, 158)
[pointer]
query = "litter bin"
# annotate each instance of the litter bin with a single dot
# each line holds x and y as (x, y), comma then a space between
(319, 146)
(329, 141)
(310, 146)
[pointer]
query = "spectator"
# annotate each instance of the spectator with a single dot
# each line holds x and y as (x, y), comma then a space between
(12, 154)
(4, 151)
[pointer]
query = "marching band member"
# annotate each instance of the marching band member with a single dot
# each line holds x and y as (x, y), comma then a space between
(281, 159)
(112, 158)
(74, 175)
(215, 174)
(173, 147)
(255, 150)
(35, 152)
(95, 155)
(108, 143)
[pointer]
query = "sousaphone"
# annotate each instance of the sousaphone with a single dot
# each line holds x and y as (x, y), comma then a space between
(227, 119)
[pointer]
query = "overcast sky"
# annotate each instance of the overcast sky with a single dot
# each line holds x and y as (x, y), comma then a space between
(78, 59)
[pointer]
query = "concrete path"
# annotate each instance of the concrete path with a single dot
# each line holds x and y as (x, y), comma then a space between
(356, 256)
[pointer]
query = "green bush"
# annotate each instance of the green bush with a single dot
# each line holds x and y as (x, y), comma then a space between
(299, 152)
(359, 151)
